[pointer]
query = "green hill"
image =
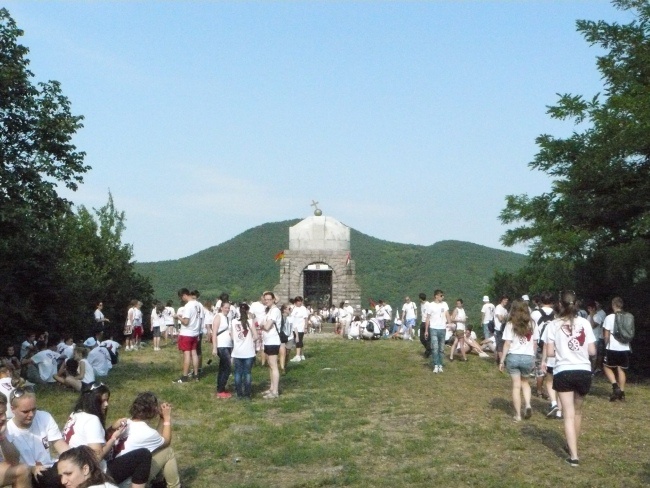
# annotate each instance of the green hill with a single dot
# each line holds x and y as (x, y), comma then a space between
(244, 267)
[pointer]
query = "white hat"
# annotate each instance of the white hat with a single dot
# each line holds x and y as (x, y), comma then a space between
(486, 298)
(525, 298)
(90, 342)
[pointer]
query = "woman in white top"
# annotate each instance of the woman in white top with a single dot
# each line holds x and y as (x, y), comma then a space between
(271, 338)
(520, 341)
(85, 427)
(459, 318)
(137, 325)
(79, 376)
(78, 468)
(571, 341)
(222, 347)
(244, 336)
(128, 326)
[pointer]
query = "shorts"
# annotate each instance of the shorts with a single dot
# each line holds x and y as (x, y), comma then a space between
(128, 330)
(271, 350)
(519, 364)
(156, 331)
(409, 322)
(573, 380)
(137, 331)
(498, 335)
(617, 359)
(187, 343)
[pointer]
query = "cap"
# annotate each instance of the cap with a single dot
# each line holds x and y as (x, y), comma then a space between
(90, 342)
(486, 298)
(525, 298)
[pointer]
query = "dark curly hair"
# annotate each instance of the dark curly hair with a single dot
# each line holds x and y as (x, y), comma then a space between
(145, 406)
(84, 456)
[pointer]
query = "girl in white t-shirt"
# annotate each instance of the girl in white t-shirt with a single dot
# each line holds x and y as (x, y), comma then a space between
(520, 340)
(85, 427)
(244, 336)
(571, 341)
(459, 319)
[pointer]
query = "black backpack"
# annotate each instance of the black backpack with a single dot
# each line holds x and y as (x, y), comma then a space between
(545, 318)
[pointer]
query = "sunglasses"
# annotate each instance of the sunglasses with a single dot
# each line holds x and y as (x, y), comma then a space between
(93, 387)
(18, 392)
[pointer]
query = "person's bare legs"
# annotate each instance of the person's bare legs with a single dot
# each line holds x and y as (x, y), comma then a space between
(275, 374)
(572, 412)
(516, 394)
(16, 476)
(283, 356)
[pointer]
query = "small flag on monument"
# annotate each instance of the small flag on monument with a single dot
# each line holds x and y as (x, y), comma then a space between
(347, 260)
(279, 256)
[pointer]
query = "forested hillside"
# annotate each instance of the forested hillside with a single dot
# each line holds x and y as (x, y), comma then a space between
(244, 266)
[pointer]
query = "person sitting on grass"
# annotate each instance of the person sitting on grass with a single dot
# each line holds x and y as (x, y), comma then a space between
(520, 342)
(12, 473)
(85, 427)
(78, 468)
(139, 434)
(77, 373)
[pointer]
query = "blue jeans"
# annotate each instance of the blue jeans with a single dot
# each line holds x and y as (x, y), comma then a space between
(437, 338)
(243, 376)
(224, 368)
(486, 331)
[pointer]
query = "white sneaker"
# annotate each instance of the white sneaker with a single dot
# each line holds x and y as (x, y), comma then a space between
(484, 354)
(302, 358)
(435, 369)
(296, 359)
(440, 369)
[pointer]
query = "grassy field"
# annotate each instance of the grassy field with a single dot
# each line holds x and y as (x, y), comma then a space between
(373, 414)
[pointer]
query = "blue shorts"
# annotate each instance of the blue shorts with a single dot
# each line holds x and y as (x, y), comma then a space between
(409, 322)
(519, 364)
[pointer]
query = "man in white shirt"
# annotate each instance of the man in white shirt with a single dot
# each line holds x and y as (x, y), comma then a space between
(424, 304)
(487, 316)
(189, 317)
(617, 355)
(409, 314)
(11, 471)
(42, 366)
(98, 357)
(500, 319)
(438, 319)
(32, 432)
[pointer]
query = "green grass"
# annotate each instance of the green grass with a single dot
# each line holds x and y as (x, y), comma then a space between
(373, 414)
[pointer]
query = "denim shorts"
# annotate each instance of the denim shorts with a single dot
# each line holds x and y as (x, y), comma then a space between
(521, 364)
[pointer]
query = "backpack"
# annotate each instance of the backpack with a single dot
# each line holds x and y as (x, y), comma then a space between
(623, 327)
(112, 355)
(545, 318)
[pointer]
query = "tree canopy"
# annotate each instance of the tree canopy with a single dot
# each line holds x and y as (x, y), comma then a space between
(591, 231)
(55, 263)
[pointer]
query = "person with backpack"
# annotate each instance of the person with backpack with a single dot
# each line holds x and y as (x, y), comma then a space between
(544, 378)
(618, 331)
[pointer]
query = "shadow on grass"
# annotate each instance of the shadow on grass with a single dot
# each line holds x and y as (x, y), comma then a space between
(501, 404)
(189, 475)
(549, 438)
(645, 474)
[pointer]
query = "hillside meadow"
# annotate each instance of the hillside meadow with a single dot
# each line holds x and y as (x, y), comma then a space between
(372, 414)
(244, 266)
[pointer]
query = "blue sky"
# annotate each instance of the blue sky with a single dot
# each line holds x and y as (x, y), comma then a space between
(409, 122)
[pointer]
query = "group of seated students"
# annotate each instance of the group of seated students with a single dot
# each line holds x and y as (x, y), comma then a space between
(49, 360)
(128, 452)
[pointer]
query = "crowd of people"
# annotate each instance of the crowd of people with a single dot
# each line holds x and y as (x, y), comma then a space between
(557, 342)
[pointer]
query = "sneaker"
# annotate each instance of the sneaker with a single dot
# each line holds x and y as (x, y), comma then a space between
(302, 358)
(528, 413)
(224, 394)
(436, 369)
(552, 410)
(483, 355)
(558, 415)
(573, 462)
(439, 369)
(296, 359)
(617, 394)
(182, 379)
(270, 396)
